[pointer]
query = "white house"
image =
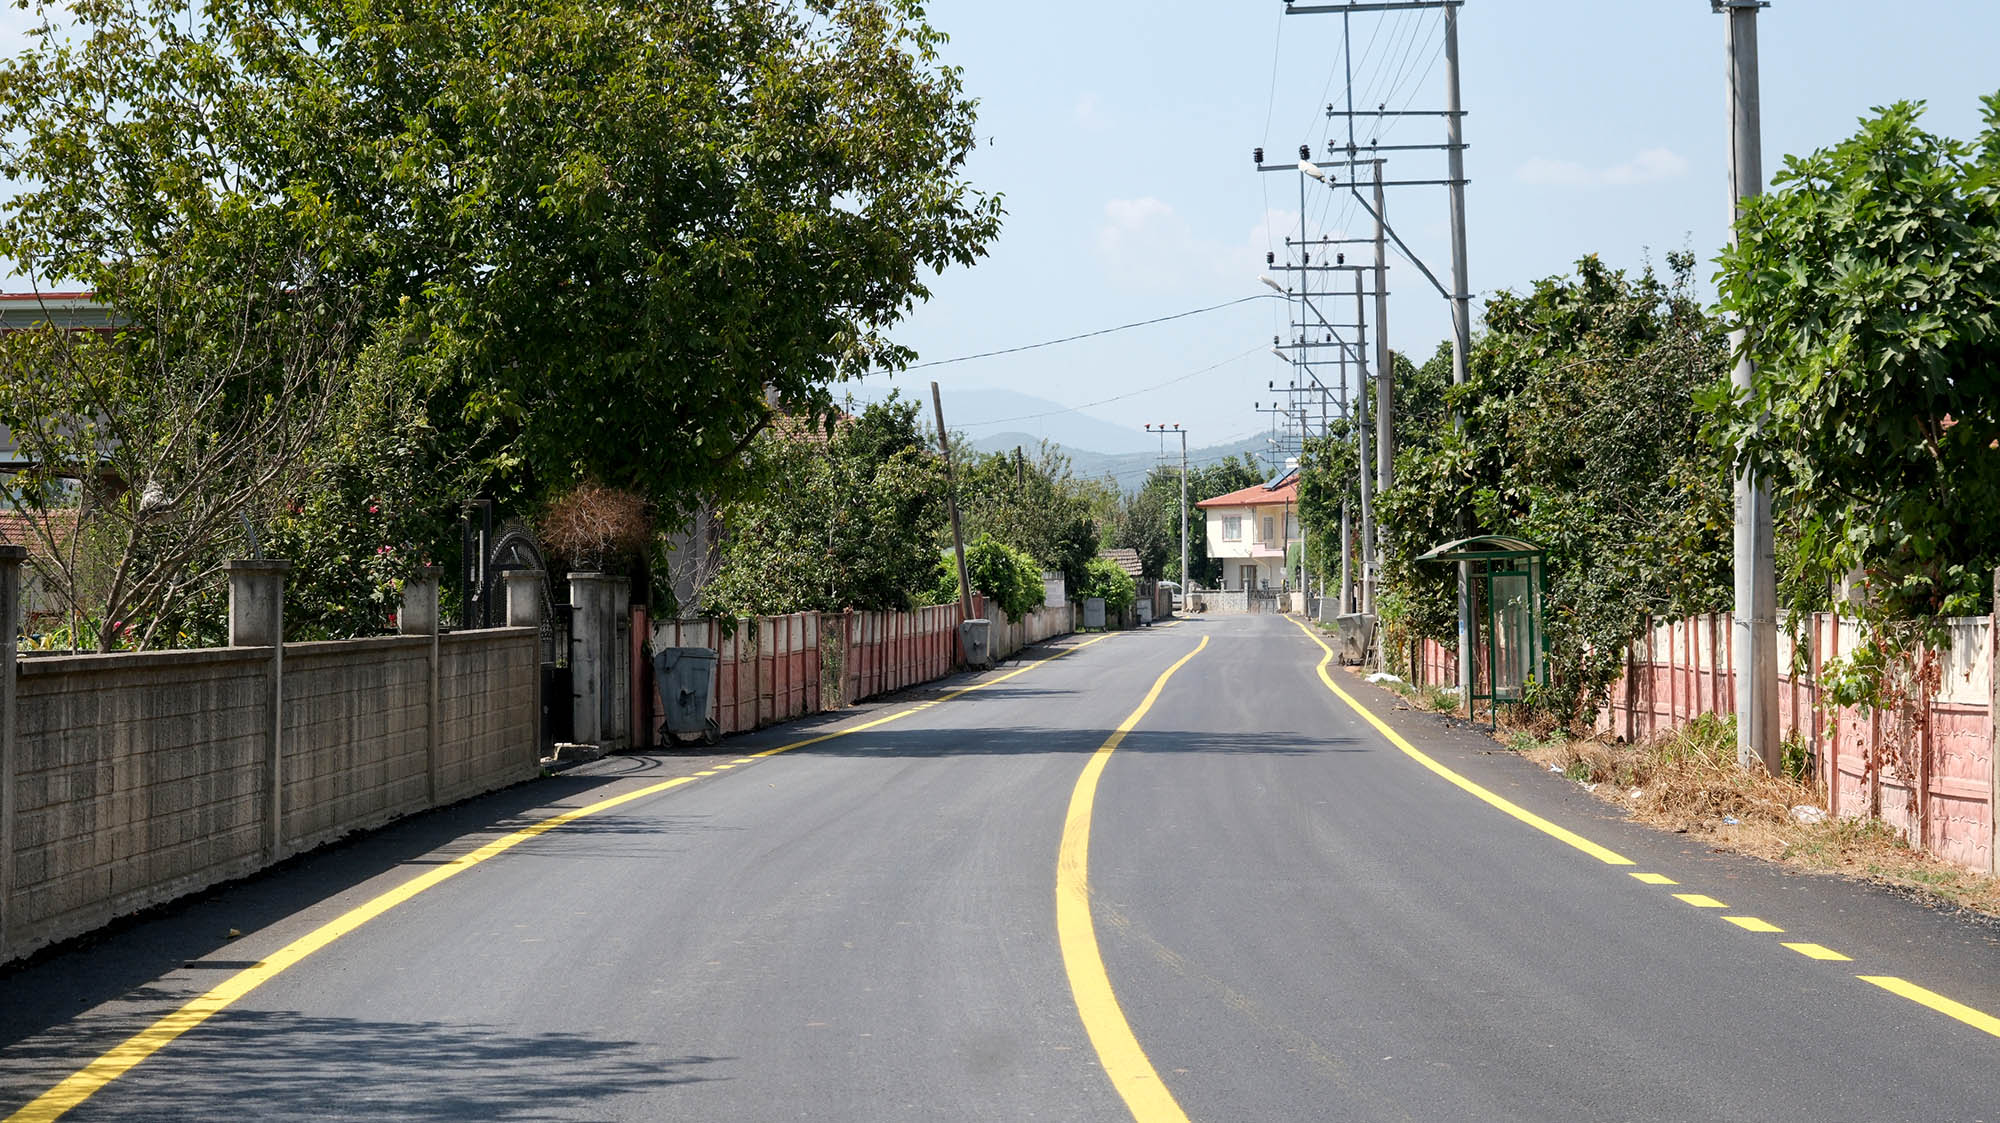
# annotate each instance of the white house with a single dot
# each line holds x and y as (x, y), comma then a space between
(1249, 530)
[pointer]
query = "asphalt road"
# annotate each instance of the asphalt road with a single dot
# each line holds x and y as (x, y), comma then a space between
(1298, 918)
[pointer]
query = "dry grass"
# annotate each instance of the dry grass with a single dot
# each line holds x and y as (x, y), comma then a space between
(1690, 783)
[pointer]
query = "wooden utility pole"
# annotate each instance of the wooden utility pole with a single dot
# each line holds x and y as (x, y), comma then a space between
(951, 505)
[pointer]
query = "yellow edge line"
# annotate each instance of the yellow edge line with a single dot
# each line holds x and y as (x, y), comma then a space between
(1134, 1077)
(1977, 1019)
(93, 1077)
(1561, 834)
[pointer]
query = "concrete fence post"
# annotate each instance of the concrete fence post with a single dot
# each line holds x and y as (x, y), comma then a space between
(524, 597)
(11, 558)
(524, 610)
(419, 617)
(599, 599)
(257, 619)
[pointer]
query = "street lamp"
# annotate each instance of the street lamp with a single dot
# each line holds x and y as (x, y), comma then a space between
(1313, 170)
(1273, 283)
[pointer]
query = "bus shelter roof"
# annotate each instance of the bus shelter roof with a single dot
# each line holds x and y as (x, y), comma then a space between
(1485, 547)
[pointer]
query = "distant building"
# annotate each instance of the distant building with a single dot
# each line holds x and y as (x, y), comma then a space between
(1249, 531)
(1126, 559)
(77, 311)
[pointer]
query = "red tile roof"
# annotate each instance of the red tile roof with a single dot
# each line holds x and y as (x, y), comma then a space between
(17, 528)
(1124, 558)
(1257, 495)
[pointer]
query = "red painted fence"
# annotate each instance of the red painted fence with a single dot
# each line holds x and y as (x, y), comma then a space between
(1685, 668)
(1682, 669)
(776, 668)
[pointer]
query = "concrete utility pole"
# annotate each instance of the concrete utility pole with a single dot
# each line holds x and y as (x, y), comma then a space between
(951, 505)
(1176, 428)
(1461, 309)
(1385, 375)
(1756, 617)
(1361, 452)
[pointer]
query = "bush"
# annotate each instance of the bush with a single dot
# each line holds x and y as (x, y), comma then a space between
(1104, 578)
(1009, 576)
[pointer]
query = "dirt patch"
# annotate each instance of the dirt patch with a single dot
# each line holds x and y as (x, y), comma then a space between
(1689, 783)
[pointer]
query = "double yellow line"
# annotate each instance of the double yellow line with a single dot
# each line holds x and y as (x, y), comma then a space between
(121, 1058)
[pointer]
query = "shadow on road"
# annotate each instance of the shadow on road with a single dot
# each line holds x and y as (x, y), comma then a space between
(1030, 740)
(349, 1068)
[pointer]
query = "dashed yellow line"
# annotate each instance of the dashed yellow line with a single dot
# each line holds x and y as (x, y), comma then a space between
(1816, 951)
(93, 1077)
(1118, 1050)
(1978, 1019)
(1561, 834)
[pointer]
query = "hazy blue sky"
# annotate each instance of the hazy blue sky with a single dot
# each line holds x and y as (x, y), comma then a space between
(1120, 134)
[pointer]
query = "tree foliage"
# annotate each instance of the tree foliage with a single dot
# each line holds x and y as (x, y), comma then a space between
(1011, 577)
(1870, 278)
(1036, 506)
(1327, 480)
(847, 521)
(1107, 579)
(1580, 434)
(619, 240)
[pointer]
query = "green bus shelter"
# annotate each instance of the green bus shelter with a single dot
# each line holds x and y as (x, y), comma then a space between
(1506, 624)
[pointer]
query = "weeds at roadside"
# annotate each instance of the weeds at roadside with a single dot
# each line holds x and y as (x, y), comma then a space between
(1689, 782)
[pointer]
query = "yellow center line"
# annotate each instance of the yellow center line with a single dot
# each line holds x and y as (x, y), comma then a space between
(1655, 879)
(1700, 900)
(1977, 1019)
(121, 1058)
(1134, 1077)
(1562, 834)
(1753, 924)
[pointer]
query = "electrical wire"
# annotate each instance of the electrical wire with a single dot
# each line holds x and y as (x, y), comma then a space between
(1118, 397)
(1088, 334)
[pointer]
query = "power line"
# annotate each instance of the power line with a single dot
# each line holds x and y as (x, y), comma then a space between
(1089, 334)
(1119, 397)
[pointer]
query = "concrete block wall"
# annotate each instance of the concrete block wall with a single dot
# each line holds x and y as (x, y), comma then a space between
(141, 777)
(138, 778)
(357, 729)
(489, 710)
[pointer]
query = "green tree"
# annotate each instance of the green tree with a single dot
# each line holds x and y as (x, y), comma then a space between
(1151, 524)
(1870, 276)
(1327, 480)
(1581, 434)
(1105, 578)
(846, 521)
(1037, 506)
(593, 220)
(1010, 576)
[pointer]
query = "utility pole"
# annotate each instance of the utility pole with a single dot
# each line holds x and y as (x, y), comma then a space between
(1756, 616)
(951, 505)
(1385, 375)
(1461, 310)
(1176, 428)
(1361, 453)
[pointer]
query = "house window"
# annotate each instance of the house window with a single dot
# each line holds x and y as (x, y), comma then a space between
(1291, 526)
(1268, 535)
(1232, 528)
